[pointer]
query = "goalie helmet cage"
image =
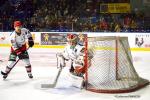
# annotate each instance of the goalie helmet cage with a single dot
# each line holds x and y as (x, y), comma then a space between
(111, 68)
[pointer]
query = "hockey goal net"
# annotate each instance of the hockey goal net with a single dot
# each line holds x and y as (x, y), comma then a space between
(111, 69)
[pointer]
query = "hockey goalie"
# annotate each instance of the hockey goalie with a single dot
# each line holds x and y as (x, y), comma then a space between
(74, 52)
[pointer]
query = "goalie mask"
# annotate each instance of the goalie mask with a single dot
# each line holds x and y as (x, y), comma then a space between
(72, 40)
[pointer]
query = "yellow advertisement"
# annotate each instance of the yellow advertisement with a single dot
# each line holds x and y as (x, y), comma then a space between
(115, 8)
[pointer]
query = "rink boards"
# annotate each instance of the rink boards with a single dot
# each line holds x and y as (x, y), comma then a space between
(137, 41)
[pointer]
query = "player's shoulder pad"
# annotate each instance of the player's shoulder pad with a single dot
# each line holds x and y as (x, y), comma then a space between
(25, 30)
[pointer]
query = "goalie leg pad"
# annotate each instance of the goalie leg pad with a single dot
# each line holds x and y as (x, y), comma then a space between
(76, 81)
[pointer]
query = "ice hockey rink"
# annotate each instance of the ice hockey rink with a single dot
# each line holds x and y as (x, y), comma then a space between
(19, 87)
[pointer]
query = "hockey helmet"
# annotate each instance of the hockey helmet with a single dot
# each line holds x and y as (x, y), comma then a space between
(17, 23)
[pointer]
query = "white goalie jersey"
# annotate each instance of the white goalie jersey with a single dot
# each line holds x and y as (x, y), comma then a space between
(76, 55)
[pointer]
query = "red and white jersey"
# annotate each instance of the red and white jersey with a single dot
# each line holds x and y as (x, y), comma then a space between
(18, 41)
(76, 55)
(73, 53)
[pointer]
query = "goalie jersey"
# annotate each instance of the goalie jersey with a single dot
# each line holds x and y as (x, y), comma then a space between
(73, 53)
(76, 55)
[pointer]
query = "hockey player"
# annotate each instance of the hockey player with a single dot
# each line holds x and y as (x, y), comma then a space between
(74, 51)
(18, 48)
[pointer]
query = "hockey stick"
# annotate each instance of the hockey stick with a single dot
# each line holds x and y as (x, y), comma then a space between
(56, 79)
(3, 73)
(54, 83)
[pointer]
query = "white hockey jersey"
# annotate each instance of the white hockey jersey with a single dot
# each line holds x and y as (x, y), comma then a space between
(74, 53)
(18, 41)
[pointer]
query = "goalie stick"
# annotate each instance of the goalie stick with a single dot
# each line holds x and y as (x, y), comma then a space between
(56, 79)
(54, 83)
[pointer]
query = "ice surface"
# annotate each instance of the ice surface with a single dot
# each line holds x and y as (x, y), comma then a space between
(18, 87)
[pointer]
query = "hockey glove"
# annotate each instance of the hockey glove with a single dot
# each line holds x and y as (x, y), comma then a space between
(60, 60)
(30, 42)
(21, 55)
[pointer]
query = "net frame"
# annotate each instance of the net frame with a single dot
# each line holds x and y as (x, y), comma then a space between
(140, 81)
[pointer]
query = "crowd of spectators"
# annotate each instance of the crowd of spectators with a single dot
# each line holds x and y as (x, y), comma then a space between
(11, 10)
(67, 15)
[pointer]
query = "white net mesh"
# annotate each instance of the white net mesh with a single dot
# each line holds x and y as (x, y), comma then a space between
(111, 67)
